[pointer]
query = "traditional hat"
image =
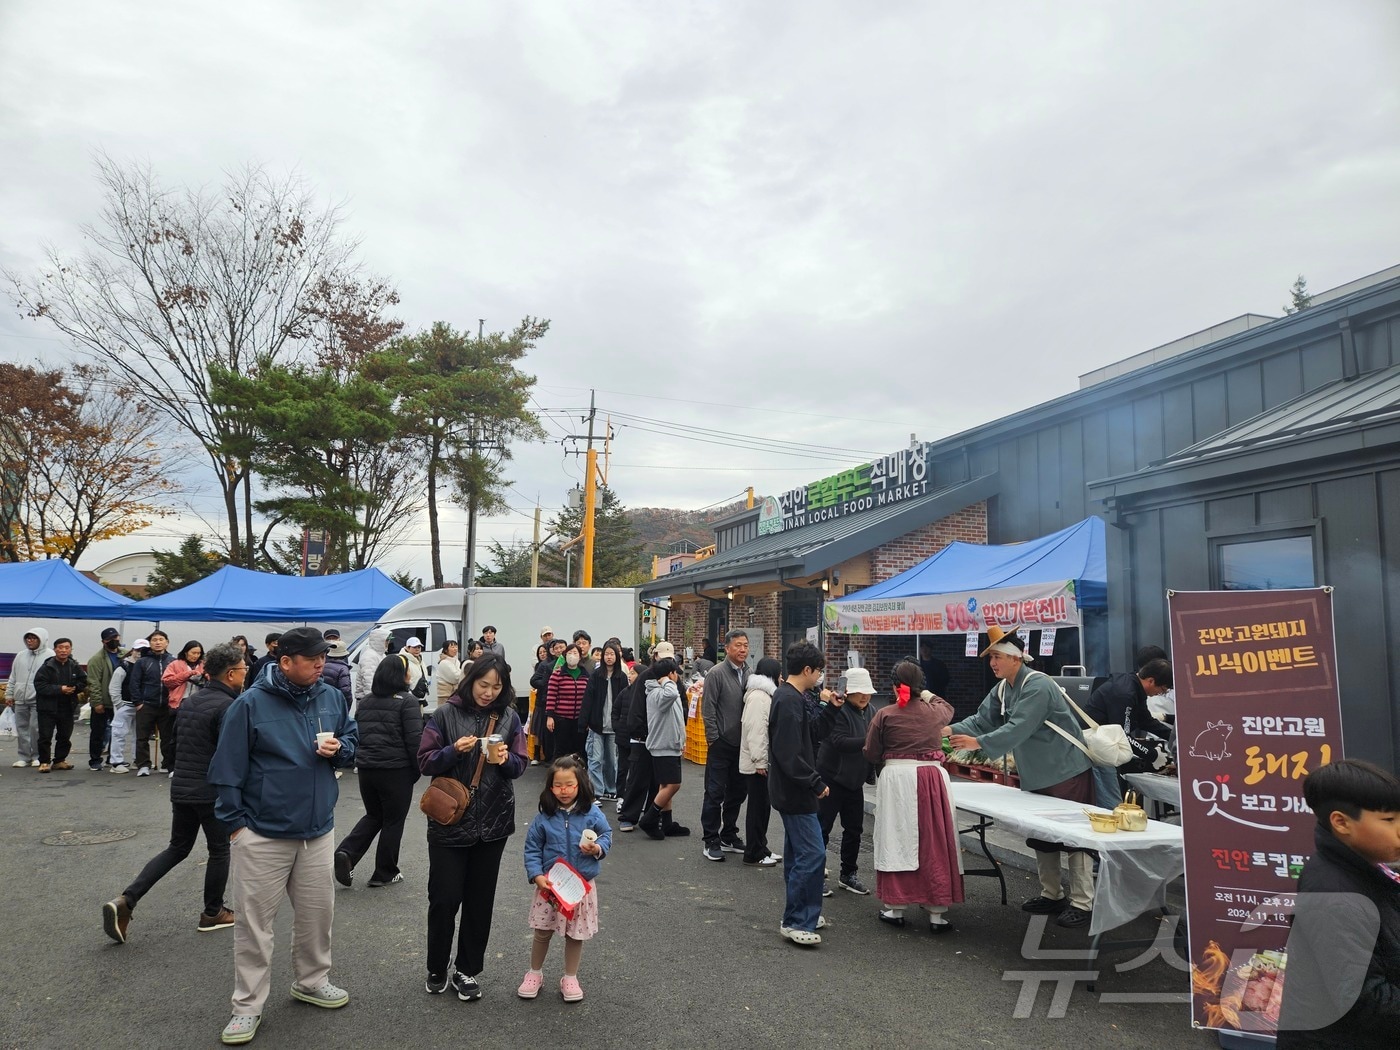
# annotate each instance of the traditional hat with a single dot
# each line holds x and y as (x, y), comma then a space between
(1008, 642)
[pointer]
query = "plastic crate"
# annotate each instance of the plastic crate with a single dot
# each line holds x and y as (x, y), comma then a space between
(986, 774)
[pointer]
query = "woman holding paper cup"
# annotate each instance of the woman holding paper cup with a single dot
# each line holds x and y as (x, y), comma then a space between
(464, 858)
(569, 828)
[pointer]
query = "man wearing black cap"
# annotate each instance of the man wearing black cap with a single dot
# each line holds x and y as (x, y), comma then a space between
(100, 667)
(274, 770)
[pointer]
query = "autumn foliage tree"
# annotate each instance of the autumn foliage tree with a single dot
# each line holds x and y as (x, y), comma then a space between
(79, 462)
(174, 281)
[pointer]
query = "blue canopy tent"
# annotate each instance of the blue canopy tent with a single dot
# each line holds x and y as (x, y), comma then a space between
(1043, 583)
(234, 594)
(53, 589)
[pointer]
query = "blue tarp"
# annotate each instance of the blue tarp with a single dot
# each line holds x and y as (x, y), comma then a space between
(1075, 553)
(243, 595)
(53, 589)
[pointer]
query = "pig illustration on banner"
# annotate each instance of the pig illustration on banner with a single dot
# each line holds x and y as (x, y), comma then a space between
(1211, 742)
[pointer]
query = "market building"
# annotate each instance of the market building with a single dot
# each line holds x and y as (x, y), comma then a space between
(1262, 452)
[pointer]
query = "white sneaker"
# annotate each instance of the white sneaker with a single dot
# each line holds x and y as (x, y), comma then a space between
(121, 767)
(36, 762)
(21, 764)
(144, 771)
(171, 774)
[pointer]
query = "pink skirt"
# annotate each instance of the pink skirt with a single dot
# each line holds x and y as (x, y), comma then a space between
(584, 924)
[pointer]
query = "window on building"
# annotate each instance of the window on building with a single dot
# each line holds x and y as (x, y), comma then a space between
(1268, 561)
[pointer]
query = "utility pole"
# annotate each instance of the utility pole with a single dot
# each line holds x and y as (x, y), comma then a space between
(590, 490)
(535, 552)
(590, 497)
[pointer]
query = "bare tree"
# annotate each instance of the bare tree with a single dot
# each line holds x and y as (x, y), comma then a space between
(177, 280)
(80, 461)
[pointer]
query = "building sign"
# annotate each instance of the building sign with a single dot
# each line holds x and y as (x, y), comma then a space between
(900, 476)
(1257, 709)
(1032, 607)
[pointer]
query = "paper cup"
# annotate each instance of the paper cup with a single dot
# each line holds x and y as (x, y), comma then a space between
(588, 837)
(321, 738)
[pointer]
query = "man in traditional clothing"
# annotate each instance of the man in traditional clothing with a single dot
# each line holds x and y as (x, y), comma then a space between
(1012, 718)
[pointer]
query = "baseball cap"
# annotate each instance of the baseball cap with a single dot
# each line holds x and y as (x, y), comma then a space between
(663, 651)
(302, 641)
(109, 633)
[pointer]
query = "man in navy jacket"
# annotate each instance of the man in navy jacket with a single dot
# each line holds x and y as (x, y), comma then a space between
(274, 770)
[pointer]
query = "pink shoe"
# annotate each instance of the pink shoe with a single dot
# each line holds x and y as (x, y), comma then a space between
(530, 986)
(569, 989)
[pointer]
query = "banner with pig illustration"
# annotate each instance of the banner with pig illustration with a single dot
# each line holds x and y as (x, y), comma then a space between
(1257, 709)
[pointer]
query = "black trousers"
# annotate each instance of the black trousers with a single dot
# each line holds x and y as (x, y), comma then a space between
(567, 739)
(148, 719)
(461, 878)
(756, 819)
(97, 734)
(186, 819)
(849, 805)
(641, 785)
(387, 795)
(55, 734)
(725, 788)
(624, 762)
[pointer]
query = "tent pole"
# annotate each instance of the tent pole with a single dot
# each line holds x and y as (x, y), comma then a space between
(1082, 664)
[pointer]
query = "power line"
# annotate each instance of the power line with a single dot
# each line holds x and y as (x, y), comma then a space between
(748, 438)
(729, 444)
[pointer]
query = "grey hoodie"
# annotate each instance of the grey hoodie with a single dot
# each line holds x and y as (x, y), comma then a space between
(21, 687)
(665, 719)
(371, 653)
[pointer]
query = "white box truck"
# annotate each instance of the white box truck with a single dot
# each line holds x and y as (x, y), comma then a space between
(517, 613)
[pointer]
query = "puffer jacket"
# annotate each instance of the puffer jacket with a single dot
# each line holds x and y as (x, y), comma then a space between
(753, 740)
(391, 729)
(26, 665)
(197, 728)
(49, 681)
(595, 698)
(555, 837)
(337, 673)
(370, 656)
(491, 816)
(665, 718)
(841, 758)
(144, 680)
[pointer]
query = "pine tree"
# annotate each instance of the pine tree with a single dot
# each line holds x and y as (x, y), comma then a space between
(1299, 296)
(180, 568)
(617, 556)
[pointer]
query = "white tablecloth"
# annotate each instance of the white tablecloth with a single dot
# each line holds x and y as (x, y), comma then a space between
(1134, 866)
(1157, 787)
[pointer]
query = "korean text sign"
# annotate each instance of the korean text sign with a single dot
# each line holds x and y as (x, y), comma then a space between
(1257, 710)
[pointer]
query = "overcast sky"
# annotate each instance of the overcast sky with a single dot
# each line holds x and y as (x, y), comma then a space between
(830, 223)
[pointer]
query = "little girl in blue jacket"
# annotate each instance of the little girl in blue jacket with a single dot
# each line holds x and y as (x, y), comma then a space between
(568, 827)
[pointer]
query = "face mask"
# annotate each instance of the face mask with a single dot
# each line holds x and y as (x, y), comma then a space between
(821, 679)
(113, 644)
(572, 659)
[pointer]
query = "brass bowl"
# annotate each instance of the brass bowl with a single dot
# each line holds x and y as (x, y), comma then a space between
(1103, 822)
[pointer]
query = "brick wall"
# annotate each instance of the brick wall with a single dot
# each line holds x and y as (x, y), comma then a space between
(687, 624)
(880, 653)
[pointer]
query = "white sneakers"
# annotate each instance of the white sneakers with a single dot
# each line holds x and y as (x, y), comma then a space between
(120, 767)
(144, 771)
(21, 764)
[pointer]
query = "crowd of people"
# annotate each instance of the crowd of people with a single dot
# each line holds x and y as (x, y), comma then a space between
(255, 746)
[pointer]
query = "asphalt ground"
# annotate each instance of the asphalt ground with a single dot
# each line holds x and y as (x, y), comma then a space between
(688, 953)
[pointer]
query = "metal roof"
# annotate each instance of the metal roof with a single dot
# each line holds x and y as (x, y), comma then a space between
(815, 548)
(1364, 398)
(1347, 418)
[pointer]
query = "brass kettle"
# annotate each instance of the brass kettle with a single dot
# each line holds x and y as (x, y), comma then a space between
(1129, 815)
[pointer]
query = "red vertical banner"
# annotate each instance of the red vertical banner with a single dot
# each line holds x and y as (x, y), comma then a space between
(1257, 709)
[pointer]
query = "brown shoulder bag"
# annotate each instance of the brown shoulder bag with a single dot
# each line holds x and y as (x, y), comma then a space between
(446, 799)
